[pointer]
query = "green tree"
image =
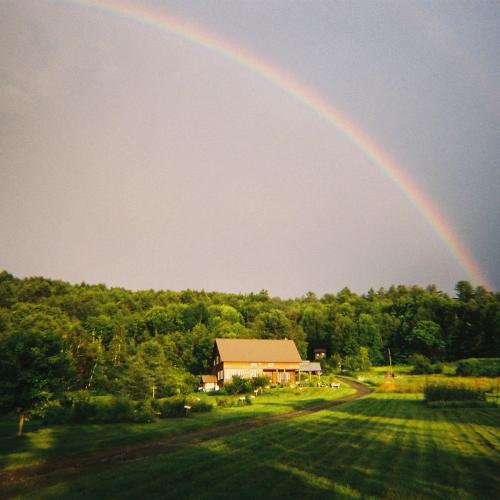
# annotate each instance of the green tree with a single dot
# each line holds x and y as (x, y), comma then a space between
(272, 325)
(34, 368)
(425, 338)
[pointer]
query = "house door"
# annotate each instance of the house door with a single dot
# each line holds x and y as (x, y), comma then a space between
(273, 376)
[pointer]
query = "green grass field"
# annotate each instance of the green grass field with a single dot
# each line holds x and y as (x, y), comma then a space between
(385, 445)
(382, 446)
(42, 443)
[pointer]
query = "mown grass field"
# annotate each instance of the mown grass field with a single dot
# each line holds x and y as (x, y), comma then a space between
(381, 446)
(42, 443)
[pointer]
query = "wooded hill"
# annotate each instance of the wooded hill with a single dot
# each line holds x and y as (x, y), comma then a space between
(113, 340)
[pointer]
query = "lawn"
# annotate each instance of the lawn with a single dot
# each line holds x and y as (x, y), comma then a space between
(381, 446)
(42, 443)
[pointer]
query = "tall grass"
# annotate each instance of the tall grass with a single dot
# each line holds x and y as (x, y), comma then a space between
(453, 392)
(416, 384)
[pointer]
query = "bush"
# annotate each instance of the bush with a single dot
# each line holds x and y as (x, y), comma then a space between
(82, 409)
(226, 402)
(238, 385)
(144, 412)
(258, 382)
(53, 412)
(421, 364)
(474, 367)
(170, 407)
(449, 392)
(201, 407)
(113, 409)
(438, 368)
(248, 400)
(198, 405)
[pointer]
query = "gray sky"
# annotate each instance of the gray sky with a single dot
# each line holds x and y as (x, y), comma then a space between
(136, 159)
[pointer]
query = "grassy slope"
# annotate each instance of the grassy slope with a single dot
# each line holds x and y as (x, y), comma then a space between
(45, 442)
(385, 445)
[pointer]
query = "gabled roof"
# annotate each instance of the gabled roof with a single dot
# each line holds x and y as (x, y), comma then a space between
(278, 351)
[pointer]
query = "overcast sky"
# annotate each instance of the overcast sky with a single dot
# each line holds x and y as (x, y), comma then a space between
(133, 158)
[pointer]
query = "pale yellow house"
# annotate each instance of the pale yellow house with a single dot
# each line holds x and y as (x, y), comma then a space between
(277, 359)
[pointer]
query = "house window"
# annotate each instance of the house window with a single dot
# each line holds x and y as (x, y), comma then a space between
(254, 373)
(230, 373)
(253, 364)
(283, 377)
(270, 364)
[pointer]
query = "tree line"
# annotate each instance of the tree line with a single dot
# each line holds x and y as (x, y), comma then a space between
(57, 336)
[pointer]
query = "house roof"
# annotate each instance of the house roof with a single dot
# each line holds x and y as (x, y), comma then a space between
(307, 366)
(258, 350)
(209, 379)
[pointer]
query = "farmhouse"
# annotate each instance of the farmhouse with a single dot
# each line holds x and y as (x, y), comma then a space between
(277, 359)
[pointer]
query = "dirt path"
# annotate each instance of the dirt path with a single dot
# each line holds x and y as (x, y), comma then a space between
(53, 470)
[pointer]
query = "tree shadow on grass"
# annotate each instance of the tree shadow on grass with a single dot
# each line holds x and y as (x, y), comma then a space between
(319, 456)
(373, 446)
(416, 409)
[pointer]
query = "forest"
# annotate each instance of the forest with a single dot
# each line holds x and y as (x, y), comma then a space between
(57, 337)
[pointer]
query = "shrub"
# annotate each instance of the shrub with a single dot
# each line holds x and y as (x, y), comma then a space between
(82, 408)
(238, 385)
(201, 407)
(452, 392)
(226, 402)
(474, 367)
(198, 405)
(247, 401)
(421, 364)
(170, 407)
(258, 382)
(173, 407)
(144, 412)
(53, 412)
(438, 368)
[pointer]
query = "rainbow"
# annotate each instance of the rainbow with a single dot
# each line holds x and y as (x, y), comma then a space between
(311, 99)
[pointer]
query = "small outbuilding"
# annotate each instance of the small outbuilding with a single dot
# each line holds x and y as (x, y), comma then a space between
(320, 353)
(209, 383)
